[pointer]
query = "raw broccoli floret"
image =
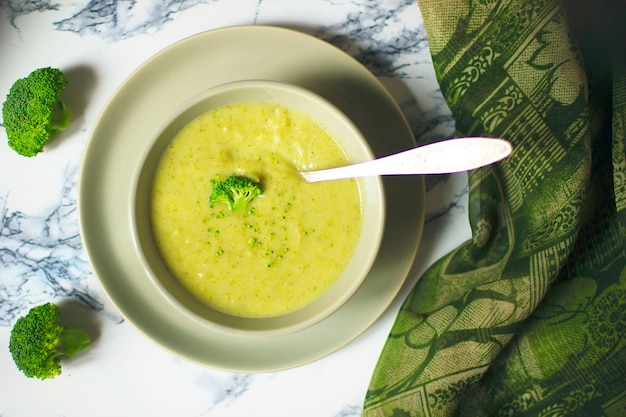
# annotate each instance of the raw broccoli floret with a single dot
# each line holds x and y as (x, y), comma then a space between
(38, 341)
(33, 110)
(236, 191)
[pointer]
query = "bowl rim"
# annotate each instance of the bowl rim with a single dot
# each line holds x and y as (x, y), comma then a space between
(284, 323)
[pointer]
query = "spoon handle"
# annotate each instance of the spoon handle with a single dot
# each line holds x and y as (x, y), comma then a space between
(445, 157)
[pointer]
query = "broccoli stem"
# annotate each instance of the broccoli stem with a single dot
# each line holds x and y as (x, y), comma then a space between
(60, 118)
(240, 205)
(72, 341)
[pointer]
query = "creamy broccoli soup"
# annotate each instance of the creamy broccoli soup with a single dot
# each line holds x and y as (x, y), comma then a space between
(289, 245)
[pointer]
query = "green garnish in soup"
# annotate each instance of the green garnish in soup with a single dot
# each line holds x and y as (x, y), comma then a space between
(236, 192)
(288, 245)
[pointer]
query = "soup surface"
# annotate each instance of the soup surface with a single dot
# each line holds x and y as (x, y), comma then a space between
(290, 245)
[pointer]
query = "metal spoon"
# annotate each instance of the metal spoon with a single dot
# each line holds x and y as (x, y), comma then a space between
(445, 157)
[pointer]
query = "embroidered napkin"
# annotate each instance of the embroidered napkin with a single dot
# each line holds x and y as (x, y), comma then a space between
(528, 318)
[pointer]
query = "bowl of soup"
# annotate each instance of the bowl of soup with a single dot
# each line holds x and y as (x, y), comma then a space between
(297, 251)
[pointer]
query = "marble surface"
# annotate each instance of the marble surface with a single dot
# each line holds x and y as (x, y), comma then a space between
(98, 43)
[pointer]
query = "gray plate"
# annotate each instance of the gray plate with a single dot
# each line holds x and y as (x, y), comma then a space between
(154, 93)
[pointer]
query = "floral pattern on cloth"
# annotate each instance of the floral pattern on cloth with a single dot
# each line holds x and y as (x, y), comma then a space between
(528, 318)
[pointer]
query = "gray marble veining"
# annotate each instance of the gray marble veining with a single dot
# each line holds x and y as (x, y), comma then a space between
(45, 254)
(112, 20)
(17, 8)
(115, 20)
(236, 386)
(377, 36)
(349, 411)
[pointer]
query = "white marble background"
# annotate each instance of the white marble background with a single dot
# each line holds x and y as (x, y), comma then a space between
(98, 43)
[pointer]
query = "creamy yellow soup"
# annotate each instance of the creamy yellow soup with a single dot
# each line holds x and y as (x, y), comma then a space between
(290, 245)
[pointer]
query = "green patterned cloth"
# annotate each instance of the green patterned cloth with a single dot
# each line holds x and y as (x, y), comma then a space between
(528, 318)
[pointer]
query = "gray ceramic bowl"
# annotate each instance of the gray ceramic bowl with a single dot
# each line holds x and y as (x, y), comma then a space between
(354, 145)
